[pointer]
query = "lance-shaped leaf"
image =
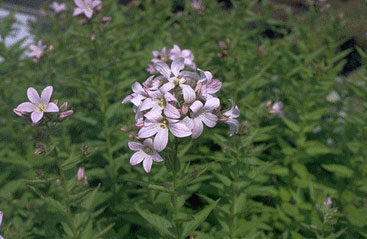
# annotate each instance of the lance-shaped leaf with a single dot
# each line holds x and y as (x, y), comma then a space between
(161, 224)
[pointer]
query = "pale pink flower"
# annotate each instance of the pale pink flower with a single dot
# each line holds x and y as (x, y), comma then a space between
(159, 101)
(207, 86)
(328, 202)
(176, 53)
(38, 105)
(145, 153)
(176, 78)
(106, 19)
(162, 55)
(93, 37)
(86, 7)
(196, 4)
(276, 108)
(202, 114)
(230, 118)
(80, 175)
(43, 13)
(58, 7)
(160, 127)
(37, 50)
(151, 69)
(138, 96)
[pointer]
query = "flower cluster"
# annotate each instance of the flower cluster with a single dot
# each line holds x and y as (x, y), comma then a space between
(176, 102)
(168, 56)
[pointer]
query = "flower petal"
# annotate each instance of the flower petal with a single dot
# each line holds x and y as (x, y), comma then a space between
(79, 3)
(147, 104)
(211, 104)
(147, 164)
(177, 65)
(137, 88)
(1, 217)
(167, 87)
(33, 95)
(148, 142)
(179, 130)
(209, 119)
(77, 11)
(46, 94)
(197, 128)
(148, 130)
(188, 93)
(196, 106)
(171, 112)
(134, 146)
(26, 107)
(95, 3)
(36, 116)
(234, 126)
(137, 157)
(88, 13)
(154, 114)
(163, 68)
(161, 139)
(156, 157)
(52, 107)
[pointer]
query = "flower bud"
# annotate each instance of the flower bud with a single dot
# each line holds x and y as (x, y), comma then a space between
(80, 175)
(64, 106)
(51, 47)
(64, 115)
(106, 19)
(18, 112)
(93, 37)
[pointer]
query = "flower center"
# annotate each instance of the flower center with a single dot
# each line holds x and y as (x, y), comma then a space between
(41, 107)
(87, 9)
(164, 123)
(148, 150)
(161, 102)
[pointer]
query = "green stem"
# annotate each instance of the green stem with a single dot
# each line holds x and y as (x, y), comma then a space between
(67, 199)
(174, 197)
(234, 192)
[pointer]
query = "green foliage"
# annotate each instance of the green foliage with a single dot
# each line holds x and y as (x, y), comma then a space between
(267, 182)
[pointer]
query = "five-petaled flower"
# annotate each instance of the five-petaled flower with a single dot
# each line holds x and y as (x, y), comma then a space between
(144, 152)
(58, 7)
(38, 105)
(86, 7)
(230, 118)
(37, 50)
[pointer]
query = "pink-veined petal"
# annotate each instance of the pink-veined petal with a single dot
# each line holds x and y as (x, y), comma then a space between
(209, 119)
(88, 12)
(177, 66)
(156, 157)
(169, 97)
(134, 146)
(214, 86)
(148, 130)
(52, 107)
(137, 99)
(167, 87)
(154, 114)
(137, 157)
(1, 217)
(179, 130)
(163, 68)
(36, 116)
(197, 129)
(95, 3)
(234, 126)
(33, 47)
(26, 107)
(188, 93)
(127, 99)
(196, 106)
(147, 164)
(171, 111)
(188, 122)
(79, 3)
(148, 142)
(161, 139)
(33, 95)
(147, 104)
(211, 104)
(137, 88)
(46, 94)
(77, 11)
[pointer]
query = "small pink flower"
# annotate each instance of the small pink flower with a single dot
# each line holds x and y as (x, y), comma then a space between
(93, 37)
(276, 108)
(106, 19)
(196, 4)
(37, 50)
(328, 202)
(176, 53)
(38, 105)
(144, 153)
(58, 7)
(51, 47)
(86, 7)
(162, 55)
(80, 175)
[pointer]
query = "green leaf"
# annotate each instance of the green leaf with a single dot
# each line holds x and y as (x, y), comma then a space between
(162, 225)
(190, 227)
(291, 125)
(338, 170)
